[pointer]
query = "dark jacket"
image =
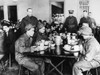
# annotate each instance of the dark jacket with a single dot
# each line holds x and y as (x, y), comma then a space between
(28, 20)
(84, 20)
(41, 36)
(1, 42)
(9, 40)
(71, 24)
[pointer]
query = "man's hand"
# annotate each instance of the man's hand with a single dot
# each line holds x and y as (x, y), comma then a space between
(34, 48)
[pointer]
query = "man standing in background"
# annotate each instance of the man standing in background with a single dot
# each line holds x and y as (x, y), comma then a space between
(29, 19)
(92, 23)
(84, 19)
(71, 22)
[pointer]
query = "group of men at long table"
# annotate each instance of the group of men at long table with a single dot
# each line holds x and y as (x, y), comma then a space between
(33, 33)
(90, 51)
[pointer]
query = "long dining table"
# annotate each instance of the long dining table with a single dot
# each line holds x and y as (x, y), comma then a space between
(63, 57)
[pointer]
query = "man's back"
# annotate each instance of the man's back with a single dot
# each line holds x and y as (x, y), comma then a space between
(92, 50)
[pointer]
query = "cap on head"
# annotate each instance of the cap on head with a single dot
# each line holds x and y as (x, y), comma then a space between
(71, 11)
(40, 25)
(29, 9)
(85, 31)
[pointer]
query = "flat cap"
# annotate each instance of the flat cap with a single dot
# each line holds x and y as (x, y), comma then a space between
(85, 30)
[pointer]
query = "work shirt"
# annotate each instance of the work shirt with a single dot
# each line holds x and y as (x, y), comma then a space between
(92, 50)
(23, 44)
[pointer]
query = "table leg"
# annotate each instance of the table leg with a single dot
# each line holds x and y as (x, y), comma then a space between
(55, 67)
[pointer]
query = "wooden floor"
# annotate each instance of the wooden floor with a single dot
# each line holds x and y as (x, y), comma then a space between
(9, 70)
(14, 71)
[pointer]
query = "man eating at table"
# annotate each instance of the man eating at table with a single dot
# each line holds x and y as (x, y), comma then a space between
(23, 44)
(90, 54)
(42, 41)
(41, 33)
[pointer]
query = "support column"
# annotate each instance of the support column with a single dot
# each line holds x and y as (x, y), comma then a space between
(5, 11)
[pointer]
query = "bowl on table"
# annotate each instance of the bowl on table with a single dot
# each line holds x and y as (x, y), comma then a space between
(67, 47)
(72, 49)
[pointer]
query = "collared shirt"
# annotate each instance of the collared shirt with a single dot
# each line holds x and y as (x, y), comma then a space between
(23, 44)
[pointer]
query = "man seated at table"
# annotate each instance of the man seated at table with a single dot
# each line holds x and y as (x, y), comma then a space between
(41, 33)
(90, 54)
(23, 44)
(42, 38)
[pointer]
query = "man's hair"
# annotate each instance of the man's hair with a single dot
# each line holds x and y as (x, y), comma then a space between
(29, 9)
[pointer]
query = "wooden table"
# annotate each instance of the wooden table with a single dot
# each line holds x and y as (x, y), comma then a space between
(49, 56)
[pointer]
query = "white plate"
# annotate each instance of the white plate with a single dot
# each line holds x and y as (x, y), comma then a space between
(67, 47)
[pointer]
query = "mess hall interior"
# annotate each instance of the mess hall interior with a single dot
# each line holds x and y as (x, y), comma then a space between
(49, 37)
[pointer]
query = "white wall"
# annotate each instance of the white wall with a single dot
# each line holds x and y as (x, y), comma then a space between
(23, 5)
(70, 5)
(40, 8)
(95, 9)
(43, 10)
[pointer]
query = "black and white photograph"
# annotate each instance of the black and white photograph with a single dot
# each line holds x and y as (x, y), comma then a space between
(49, 37)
